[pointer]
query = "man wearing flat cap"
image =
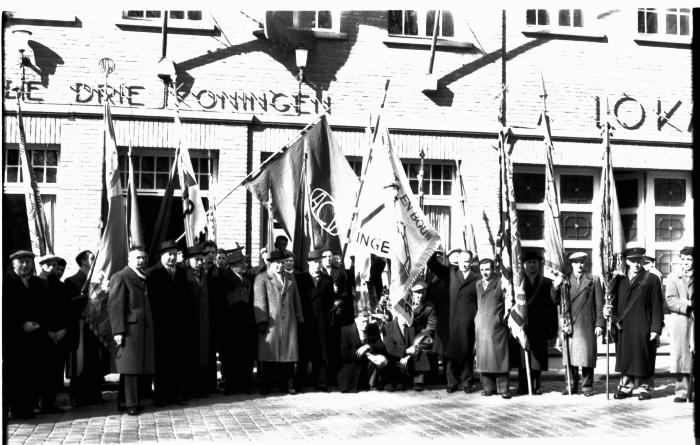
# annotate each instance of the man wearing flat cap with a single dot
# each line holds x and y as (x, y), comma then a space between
(542, 323)
(587, 322)
(680, 293)
(174, 328)
(23, 335)
(277, 314)
(638, 309)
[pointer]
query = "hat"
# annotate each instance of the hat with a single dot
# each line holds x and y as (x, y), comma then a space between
(532, 255)
(49, 257)
(235, 256)
(167, 245)
(458, 250)
(687, 250)
(578, 256)
(21, 254)
(419, 286)
(276, 255)
(634, 252)
(648, 259)
(137, 248)
(193, 251)
(314, 255)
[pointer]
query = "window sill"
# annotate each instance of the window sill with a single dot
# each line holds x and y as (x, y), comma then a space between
(45, 18)
(205, 26)
(662, 40)
(564, 33)
(394, 40)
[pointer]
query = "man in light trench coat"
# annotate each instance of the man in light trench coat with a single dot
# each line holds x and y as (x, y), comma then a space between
(679, 296)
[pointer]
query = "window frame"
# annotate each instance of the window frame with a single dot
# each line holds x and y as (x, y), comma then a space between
(662, 37)
(591, 27)
(459, 40)
(20, 187)
(205, 24)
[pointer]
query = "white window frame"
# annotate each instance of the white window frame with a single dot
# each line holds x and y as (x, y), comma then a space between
(460, 39)
(661, 36)
(335, 20)
(207, 23)
(591, 27)
(20, 187)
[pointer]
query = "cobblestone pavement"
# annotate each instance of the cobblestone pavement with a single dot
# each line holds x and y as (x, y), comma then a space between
(375, 416)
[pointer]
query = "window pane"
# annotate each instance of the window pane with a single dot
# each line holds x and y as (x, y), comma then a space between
(38, 157)
(325, 20)
(204, 182)
(578, 18)
(529, 187)
(447, 188)
(436, 171)
(542, 17)
(667, 261)
(564, 17)
(52, 157)
(627, 191)
(414, 186)
(162, 164)
(153, 14)
(194, 15)
(629, 227)
(161, 180)
(436, 189)
(447, 24)
(12, 174)
(652, 25)
(671, 24)
(669, 227)
(131, 14)
(429, 22)
(395, 21)
(641, 21)
(576, 189)
(147, 163)
(669, 192)
(531, 17)
(51, 175)
(177, 14)
(307, 19)
(531, 224)
(576, 225)
(12, 157)
(39, 174)
(147, 181)
(685, 25)
(411, 23)
(426, 188)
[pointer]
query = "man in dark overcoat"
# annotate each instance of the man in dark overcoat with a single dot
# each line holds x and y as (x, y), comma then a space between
(542, 323)
(131, 320)
(638, 308)
(202, 380)
(492, 354)
(174, 326)
(364, 355)
(425, 323)
(455, 320)
(23, 335)
(316, 295)
(680, 291)
(587, 322)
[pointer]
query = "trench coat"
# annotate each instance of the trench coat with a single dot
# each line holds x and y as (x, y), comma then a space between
(492, 354)
(679, 292)
(130, 315)
(316, 302)
(542, 323)
(587, 301)
(277, 304)
(455, 312)
(635, 354)
(200, 302)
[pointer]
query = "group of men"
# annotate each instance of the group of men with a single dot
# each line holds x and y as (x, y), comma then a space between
(169, 321)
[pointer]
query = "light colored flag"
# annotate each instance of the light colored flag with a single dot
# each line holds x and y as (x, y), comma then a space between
(554, 264)
(211, 213)
(132, 209)
(112, 251)
(511, 252)
(39, 234)
(192, 206)
(390, 223)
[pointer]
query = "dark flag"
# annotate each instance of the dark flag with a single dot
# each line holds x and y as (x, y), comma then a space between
(160, 229)
(132, 210)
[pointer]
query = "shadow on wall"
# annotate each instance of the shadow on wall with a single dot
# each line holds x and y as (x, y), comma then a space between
(46, 61)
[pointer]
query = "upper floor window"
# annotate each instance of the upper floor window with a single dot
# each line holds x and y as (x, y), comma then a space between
(320, 21)
(156, 14)
(671, 22)
(567, 22)
(177, 19)
(561, 17)
(416, 23)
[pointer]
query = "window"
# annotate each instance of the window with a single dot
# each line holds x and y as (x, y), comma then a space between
(151, 172)
(437, 178)
(537, 17)
(564, 17)
(571, 17)
(44, 164)
(669, 192)
(325, 23)
(528, 187)
(576, 189)
(156, 14)
(416, 23)
(440, 218)
(356, 165)
(564, 22)
(672, 24)
(576, 225)
(531, 224)
(177, 19)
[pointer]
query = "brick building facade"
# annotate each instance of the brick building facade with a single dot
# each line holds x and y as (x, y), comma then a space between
(240, 103)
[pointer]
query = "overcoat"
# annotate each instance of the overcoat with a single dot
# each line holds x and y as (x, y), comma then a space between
(130, 315)
(277, 304)
(587, 301)
(679, 291)
(492, 354)
(352, 366)
(200, 302)
(316, 302)
(396, 344)
(455, 312)
(635, 354)
(542, 323)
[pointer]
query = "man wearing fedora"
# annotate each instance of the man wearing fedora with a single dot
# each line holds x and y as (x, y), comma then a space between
(23, 335)
(202, 381)
(131, 319)
(638, 308)
(278, 312)
(174, 326)
(587, 322)
(680, 294)
(541, 326)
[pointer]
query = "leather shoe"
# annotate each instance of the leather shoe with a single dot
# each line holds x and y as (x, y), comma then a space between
(468, 389)
(506, 395)
(680, 400)
(487, 393)
(565, 391)
(588, 393)
(451, 389)
(620, 395)
(644, 396)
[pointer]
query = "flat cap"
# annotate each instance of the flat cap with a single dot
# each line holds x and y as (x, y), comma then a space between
(49, 257)
(578, 256)
(21, 254)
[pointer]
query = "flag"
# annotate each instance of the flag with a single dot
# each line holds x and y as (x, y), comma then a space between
(611, 235)
(211, 212)
(390, 223)
(310, 186)
(279, 28)
(192, 206)
(160, 229)
(468, 235)
(553, 247)
(113, 249)
(39, 234)
(132, 210)
(511, 251)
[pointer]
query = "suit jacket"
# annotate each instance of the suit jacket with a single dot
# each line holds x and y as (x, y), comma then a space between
(316, 302)
(396, 343)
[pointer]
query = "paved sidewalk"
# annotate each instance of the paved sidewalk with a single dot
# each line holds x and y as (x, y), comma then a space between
(373, 416)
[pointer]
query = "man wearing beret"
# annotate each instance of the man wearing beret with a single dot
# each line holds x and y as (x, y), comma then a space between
(23, 335)
(638, 308)
(587, 322)
(131, 320)
(542, 323)
(174, 328)
(680, 292)
(277, 314)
